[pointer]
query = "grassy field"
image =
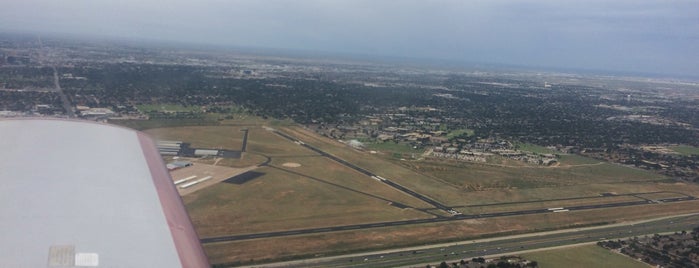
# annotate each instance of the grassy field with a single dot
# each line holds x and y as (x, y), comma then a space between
(224, 137)
(339, 176)
(163, 123)
(426, 185)
(390, 237)
(583, 257)
(167, 107)
(248, 159)
(318, 192)
(573, 160)
(482, 177)
(459, 132)
(393, 147)
(279, 200)
(463, 183)
(685, 150)
(534, 148)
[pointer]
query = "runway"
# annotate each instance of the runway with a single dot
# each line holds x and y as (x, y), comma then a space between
(434, 220)
(370, 174)
(457, 252)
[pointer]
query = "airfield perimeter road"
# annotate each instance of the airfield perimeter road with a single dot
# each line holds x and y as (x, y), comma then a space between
(453, 252)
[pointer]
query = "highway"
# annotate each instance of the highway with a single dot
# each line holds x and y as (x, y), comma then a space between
(452, 252)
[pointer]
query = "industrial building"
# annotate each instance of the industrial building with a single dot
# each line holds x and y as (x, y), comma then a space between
(169, 147)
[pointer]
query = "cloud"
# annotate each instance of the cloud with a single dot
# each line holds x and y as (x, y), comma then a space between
(622, 35)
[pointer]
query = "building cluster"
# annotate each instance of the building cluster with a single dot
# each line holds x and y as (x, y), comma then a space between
(16, 103)
(658, 157)
(480, 151)
(462, 155)
(680, 249)
(418, 126)
(500, 262)
(440, 137)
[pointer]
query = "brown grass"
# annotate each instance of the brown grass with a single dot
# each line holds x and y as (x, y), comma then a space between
(323, 193)
(279, 200)
(380, 238)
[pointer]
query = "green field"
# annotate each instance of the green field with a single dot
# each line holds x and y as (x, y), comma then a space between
(572, 159)
(534, 148)
(224, 137)
(164, 123)
(456, 133)
(583, 257)
(389, 146)
(168, 108)
(685, 150)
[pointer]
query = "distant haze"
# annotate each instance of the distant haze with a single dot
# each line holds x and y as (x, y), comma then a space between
(653, 36)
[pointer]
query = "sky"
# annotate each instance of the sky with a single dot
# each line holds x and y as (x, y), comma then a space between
(635, 36)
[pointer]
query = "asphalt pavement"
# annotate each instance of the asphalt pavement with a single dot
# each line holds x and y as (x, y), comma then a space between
(433, 220)
(466, 250)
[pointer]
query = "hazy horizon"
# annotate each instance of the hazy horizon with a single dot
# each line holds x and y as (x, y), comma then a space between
(649, 37)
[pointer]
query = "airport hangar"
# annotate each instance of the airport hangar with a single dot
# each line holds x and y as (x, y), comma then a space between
(85, 194)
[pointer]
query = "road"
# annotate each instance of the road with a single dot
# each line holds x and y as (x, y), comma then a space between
(64, 99)
(56, 82)
(419, 257)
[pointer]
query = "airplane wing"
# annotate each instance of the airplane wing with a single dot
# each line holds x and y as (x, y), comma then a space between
(85, 194)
